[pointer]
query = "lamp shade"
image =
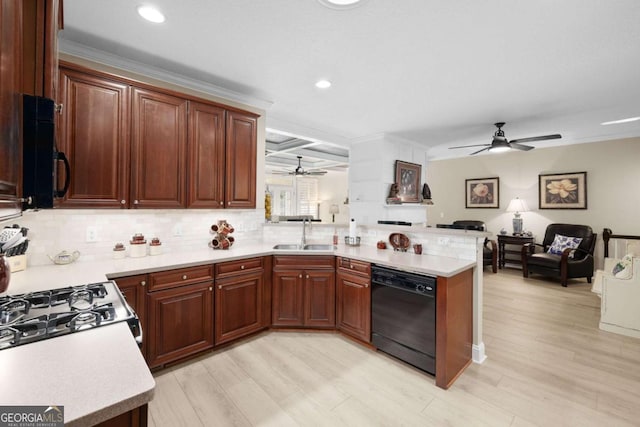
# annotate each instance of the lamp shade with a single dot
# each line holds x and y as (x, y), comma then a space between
(334, 209)
(517, 205)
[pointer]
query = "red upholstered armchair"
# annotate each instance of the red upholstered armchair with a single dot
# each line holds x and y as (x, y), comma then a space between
(567, 263)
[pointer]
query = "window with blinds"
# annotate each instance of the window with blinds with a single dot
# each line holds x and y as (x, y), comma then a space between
(307, 189)
(299, 198)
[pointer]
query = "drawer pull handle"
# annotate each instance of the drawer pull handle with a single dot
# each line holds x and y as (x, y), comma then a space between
(242, 267)
(184, 277)
(143, 283)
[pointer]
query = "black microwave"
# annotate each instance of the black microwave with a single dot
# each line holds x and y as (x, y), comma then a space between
(40, 158)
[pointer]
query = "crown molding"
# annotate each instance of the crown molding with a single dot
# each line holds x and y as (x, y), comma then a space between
(85, 52)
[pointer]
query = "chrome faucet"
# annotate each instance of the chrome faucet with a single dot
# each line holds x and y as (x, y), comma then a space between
(304, 231)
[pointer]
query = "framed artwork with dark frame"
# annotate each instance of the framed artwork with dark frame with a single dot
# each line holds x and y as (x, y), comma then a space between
(482, 193)
(562, 190)
(408, 180)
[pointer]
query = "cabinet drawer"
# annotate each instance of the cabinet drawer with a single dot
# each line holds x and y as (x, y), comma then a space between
(240, 266)
(354, 266)
(303, 262)
(180, 277)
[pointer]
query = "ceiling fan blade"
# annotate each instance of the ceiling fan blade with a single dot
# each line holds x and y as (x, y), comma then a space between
(316, 173)
(515, 146)
(479, 151)
(475, 145)
(536, 138)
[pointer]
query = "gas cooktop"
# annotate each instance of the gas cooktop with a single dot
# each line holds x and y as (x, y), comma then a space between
(40, 315)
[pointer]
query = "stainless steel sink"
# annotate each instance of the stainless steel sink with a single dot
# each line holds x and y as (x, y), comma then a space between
(318, 247)
(289, 246)
(309, 247)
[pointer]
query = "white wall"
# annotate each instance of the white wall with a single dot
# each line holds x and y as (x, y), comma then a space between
(371, 173)
(613, 186)
(332, 189)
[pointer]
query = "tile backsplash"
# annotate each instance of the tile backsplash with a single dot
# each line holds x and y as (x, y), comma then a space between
(54, 230)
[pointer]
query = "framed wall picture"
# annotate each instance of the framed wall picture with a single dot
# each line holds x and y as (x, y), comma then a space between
(563, 190)
(408, 180)
(482, 193)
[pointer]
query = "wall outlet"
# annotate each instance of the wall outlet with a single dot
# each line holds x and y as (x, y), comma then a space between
(177, 230)
(444, 241)
(92, 234)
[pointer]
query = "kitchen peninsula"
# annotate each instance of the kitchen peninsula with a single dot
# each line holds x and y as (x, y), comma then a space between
(126, 371)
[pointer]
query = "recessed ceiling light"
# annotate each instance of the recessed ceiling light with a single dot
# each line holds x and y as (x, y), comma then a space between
(341, 4)
(151, 14)
(323, 84)
(616, 122)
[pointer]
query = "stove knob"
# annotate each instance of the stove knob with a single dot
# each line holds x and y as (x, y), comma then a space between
(420, 288)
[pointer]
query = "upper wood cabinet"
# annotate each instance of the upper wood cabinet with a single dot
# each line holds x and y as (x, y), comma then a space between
(241, 160)
(206, 155)
(158, 150)
(94, 134)
(130, 145)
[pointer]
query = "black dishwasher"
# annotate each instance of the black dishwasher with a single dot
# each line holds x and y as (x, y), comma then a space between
(403, 312)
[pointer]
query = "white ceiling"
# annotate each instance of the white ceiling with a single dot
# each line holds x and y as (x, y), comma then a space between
(437, 72)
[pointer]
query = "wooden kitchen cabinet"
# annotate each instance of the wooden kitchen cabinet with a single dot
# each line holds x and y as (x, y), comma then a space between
(241, 154)
(303, 291)
(206, 156)
(353, 298)
(239, 290)
(179, 314)
(158, 150)
(94, 134)
(131, 145)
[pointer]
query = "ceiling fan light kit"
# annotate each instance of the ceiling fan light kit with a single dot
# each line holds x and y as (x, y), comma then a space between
(500, 143)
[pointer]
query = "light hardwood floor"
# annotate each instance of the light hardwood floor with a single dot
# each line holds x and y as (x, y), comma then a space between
(548, 365)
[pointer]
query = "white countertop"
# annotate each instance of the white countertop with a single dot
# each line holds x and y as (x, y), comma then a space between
(95, 374)
(83, 372)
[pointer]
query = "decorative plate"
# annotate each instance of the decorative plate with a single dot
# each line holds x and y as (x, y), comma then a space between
(399, 241)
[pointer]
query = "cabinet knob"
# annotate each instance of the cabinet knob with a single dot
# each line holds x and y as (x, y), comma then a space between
(300, 276)
(351, 266)
(123, 202)
(210, 288)
(307, 276)
(135, 202)
(219, 286)
(143, 283)
(221, 203)
(242, 267)
(184, 277)
(366, 285)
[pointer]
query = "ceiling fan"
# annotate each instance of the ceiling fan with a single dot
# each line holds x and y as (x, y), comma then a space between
(500, 142)
(299, 171)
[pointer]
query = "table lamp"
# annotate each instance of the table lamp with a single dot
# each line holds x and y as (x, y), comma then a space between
(517, 205)
(333, 210)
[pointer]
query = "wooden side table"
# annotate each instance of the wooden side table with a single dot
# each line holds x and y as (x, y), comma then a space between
(510, 249)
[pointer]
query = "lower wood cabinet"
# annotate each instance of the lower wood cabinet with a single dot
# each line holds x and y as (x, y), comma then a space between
(353, 302)
(134, 289)
(137, 417)
(180, 322)
(239, 301)
(304, 296)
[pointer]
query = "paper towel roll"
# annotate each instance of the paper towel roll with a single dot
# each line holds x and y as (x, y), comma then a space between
(352, 228)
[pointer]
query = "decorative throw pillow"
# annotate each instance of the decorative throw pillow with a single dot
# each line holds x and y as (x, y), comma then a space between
(560, 243)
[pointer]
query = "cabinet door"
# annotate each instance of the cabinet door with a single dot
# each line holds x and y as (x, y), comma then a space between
(238, 302)
(320, 299)
(134, 290)
(353, 313)
(206, 156)
(288, 298)
(180, 323)
(11, 75)
(94, 134)
(159, 145)
(241, 141)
